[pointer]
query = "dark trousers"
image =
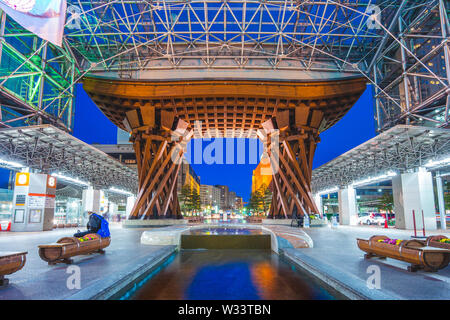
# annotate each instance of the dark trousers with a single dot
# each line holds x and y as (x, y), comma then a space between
(82, 234)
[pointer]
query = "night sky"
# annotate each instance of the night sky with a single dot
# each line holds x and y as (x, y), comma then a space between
(355, 128)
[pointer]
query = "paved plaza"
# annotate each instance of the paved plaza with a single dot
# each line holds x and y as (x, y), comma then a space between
(334, 258)
(38, 280)
(336, 255)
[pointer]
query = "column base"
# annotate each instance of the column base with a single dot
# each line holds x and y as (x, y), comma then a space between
(283, 222)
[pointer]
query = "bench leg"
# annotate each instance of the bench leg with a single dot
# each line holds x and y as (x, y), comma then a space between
(3, 282)
(369, 255)
(372, 255)
(414, 268)
(100, 251)
(66, 261)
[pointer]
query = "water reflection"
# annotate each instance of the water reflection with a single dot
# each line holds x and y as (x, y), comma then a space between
(220, 221)
(229, 275)
(222, 282)
(225, 230)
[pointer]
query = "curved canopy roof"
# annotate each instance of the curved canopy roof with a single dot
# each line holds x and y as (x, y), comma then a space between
(399, 149)
(51, 150)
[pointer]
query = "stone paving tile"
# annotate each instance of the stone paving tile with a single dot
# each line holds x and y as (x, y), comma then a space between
(337, 251)
(37, 280)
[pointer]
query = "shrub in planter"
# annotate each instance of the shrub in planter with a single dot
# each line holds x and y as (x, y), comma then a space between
(391, 241)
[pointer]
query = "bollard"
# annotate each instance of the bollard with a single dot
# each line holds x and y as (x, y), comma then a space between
(414, 221)
(334, 223)
(326, 221)
(306, 221)
(423, 223)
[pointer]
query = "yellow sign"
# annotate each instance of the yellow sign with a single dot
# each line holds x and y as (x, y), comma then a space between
(22, 179)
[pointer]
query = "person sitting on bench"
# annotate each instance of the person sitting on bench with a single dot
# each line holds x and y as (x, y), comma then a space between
(96, 224)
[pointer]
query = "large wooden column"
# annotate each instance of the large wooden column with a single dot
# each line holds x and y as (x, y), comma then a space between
(291, 146)
(158, 142)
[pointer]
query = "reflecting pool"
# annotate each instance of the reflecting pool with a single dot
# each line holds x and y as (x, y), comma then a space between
(230, 275)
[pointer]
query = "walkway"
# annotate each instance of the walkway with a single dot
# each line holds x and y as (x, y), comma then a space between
(336, 255)
(335, 258)
(37, 280)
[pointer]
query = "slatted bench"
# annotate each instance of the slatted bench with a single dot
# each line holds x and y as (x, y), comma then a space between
(65, 248)
(10, 262)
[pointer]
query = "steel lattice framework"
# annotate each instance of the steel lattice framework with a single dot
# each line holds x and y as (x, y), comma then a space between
(401, 46)
(48, 149)
(36, 79)
(124, 36)
(398, 149)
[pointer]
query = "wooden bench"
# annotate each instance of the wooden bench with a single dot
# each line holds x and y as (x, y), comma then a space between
(415, 252)
(10, 262)
(433, 241)
(65, 248)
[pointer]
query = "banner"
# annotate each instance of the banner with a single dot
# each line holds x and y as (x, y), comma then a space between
(45, 18)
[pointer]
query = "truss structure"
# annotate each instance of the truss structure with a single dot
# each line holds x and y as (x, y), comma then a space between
(70, 192)
(401, 148)
(126, 36)
(115, 197)
(36, 79)
(411, 70)
(400, 46)
(48, 149)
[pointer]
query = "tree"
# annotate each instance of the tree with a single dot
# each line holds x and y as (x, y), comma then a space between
(386, 202)
(253, 204)
(196, 201)
(189, 199)
(186, 198)
(261, 199)
(265, 197)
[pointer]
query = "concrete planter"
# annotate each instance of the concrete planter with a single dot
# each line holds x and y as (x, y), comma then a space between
(282, 222)
(153, 223)
(317, 223)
